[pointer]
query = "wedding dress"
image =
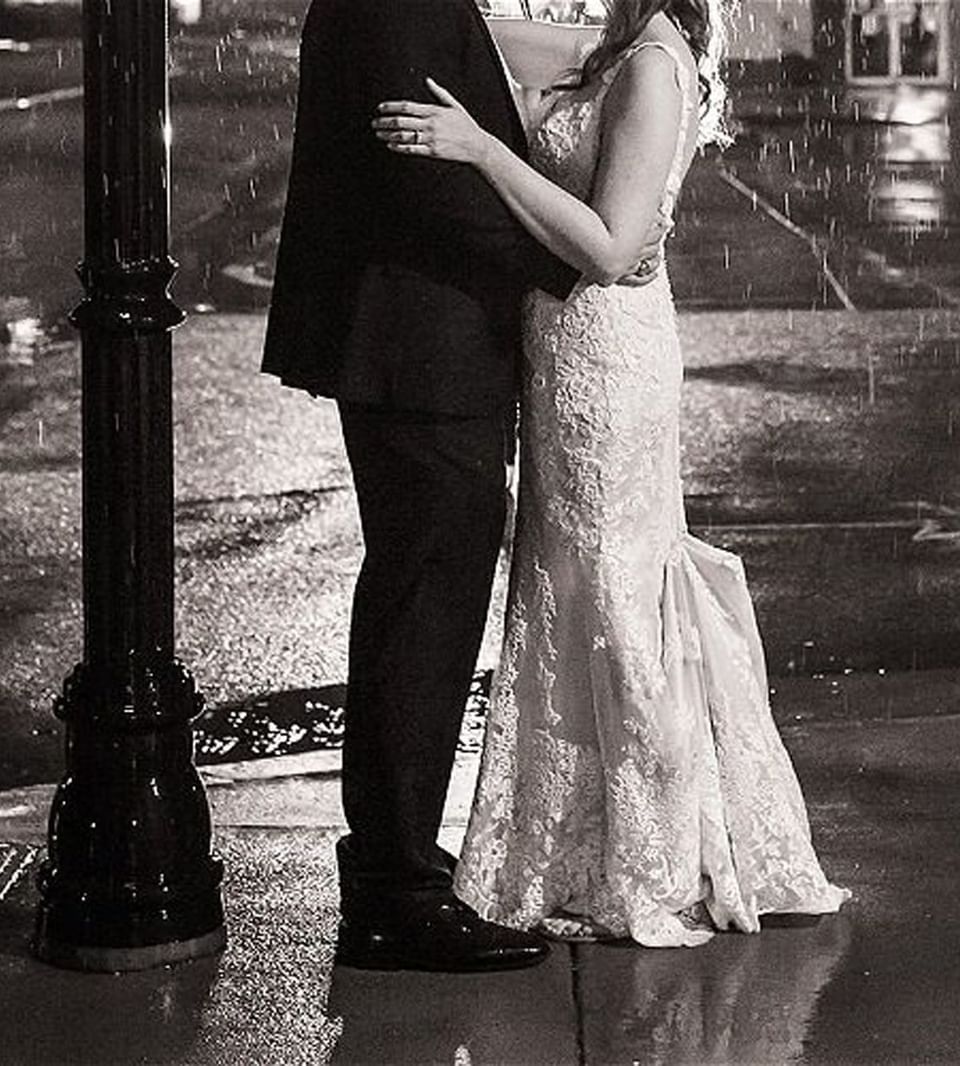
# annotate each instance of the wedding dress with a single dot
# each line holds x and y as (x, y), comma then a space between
(632, 774)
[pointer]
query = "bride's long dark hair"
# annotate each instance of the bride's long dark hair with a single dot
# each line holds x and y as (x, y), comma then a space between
(700, 22)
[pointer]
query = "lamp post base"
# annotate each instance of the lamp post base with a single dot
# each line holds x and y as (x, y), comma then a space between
(129, 881)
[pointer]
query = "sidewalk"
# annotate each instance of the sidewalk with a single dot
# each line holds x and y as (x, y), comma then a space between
(876, 984)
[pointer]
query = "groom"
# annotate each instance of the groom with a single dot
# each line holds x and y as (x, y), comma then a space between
(398, 290)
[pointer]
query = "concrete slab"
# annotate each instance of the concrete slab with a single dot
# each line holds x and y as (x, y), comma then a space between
(280, 803)
(308, 800)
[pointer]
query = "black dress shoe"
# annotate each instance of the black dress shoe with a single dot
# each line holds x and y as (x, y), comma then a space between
(442, 935)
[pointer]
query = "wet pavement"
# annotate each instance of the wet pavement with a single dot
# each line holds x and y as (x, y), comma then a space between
(879, 983)
(819, 445)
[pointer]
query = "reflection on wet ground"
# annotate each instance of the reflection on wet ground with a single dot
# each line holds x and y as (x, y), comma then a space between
(736, 1000)
(261, 1002)
(527, 1018)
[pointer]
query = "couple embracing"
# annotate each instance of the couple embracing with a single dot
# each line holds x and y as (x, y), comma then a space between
(438, 261)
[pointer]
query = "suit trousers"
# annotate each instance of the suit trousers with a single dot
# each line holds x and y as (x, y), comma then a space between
(432, 498)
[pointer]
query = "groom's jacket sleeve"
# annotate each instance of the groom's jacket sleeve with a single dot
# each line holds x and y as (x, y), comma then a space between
(389, 48)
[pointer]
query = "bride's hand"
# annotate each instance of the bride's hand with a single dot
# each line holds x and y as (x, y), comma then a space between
(443, 130)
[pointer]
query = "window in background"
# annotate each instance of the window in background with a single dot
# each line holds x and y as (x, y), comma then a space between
(897, 40)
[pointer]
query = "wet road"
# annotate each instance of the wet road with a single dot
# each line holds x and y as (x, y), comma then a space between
(880, 199)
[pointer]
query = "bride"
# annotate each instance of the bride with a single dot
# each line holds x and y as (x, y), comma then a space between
(633, 782)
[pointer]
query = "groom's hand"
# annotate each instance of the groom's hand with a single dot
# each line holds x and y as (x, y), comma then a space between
(651, 257)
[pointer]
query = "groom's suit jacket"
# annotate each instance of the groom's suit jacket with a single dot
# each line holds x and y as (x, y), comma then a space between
(399, 279)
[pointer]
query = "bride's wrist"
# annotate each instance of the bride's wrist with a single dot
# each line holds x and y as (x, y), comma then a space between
(489, 150)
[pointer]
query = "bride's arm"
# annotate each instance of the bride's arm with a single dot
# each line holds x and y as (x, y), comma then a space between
(605, 238)
(539, 54)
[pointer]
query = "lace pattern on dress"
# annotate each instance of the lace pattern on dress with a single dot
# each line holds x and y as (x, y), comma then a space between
(631, 767)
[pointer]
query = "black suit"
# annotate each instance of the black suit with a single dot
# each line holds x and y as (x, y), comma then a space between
(399, 279)
(398, 291)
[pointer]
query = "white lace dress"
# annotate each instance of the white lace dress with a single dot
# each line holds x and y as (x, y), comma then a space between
(631, 767)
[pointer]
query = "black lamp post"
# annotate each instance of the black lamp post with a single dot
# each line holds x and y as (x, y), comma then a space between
(129, 881)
